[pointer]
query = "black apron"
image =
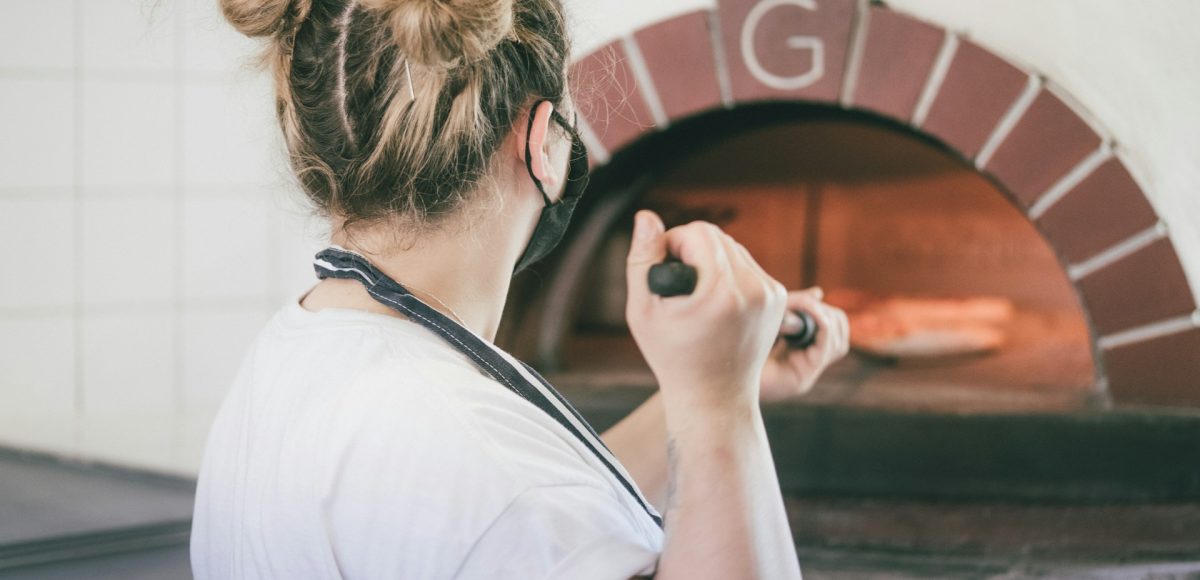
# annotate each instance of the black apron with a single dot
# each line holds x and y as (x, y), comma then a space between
(335, 262)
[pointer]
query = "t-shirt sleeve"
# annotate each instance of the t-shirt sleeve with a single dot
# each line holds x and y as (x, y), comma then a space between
(580, 532)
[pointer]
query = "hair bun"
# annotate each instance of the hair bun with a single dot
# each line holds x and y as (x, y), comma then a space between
(446, 32)
(256, 18)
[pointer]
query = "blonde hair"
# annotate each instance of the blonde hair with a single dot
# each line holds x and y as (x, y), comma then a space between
(395, 108)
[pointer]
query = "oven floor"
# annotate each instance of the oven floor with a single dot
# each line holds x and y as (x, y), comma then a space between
(1045, 367)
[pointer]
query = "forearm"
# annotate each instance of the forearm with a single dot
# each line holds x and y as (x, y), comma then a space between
(640, 442)
(725, 516)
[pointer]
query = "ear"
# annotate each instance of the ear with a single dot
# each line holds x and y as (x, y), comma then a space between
(539, 147)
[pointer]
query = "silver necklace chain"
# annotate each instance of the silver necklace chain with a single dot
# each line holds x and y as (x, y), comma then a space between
(426, 292)
(439, 301)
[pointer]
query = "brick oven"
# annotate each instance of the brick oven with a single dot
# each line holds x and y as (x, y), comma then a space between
(883, 158)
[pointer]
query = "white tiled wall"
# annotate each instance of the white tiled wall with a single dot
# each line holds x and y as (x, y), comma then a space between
(38, 35)
(149, 223)
(39, 118)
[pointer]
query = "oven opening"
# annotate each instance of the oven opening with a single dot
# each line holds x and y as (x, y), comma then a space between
(956, 302)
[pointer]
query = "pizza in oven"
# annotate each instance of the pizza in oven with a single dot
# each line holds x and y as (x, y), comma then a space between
(914, 328)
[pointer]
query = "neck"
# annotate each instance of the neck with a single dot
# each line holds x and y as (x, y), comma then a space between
(464, 282)
(466, 263)
(463, 272)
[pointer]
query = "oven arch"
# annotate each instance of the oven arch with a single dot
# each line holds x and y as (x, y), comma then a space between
(1012, 125)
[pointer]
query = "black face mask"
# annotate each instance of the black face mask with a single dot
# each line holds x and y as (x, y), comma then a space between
(552, 224)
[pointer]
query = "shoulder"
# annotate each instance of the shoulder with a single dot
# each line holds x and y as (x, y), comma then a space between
(446, 401)
(363, 386)
(474, 474)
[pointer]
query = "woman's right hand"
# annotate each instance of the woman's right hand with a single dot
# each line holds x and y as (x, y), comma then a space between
(706, 349)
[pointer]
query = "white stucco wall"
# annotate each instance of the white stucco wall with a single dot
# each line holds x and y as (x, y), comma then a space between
(1133, 68)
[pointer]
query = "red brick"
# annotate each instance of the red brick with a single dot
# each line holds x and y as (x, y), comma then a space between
(979, 88)
(784, 21)
(608, 97)
(898, 56)
(1104, 209)
(679, 56)
(1162, 371)
(1144, 287)
(1048, 141)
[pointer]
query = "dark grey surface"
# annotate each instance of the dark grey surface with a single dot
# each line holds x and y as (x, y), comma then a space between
(858, 564)
(881, 538)
(817, 564)
(42, 498)
(159, 564)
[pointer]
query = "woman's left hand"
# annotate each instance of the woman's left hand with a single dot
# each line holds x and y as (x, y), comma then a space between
(791, 373)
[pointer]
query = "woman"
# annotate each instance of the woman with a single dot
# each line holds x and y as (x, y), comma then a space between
(374, 430)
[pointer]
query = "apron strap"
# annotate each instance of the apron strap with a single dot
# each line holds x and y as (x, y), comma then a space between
(336, 262)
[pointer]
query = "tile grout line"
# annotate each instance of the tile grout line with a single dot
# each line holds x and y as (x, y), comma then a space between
(66, 191)
(937, 75)
(858, 44)
(130, 308)
(1070, 180)
(1116, 252)
(1150, 331)
(94, 74)
(115, 75)
(720, 62)
(141, 307)
(17, 193)
(641, 75)
(39, 73)
(79, 410)
(276, 196)
(1033, 86)
(67, 311)
(178, 183)
(275, 261)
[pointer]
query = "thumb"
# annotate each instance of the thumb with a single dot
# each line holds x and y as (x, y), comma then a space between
(647, 248)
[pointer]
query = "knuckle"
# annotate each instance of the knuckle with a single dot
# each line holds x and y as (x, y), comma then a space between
(727, 303)
(711, 229)
(741, 251)
(756, 292)
(693, 230)
(742, 248)
(779, 290)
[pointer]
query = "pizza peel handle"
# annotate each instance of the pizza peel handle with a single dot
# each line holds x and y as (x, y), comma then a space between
(674, 278)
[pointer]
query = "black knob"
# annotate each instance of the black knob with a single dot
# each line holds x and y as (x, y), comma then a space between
(806, 336)
(674, 278)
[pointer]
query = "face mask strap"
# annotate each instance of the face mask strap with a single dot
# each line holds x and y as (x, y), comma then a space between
(558, 118)
(554, 218)
(529, 153)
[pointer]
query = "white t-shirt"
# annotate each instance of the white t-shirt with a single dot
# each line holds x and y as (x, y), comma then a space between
(358, 445)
